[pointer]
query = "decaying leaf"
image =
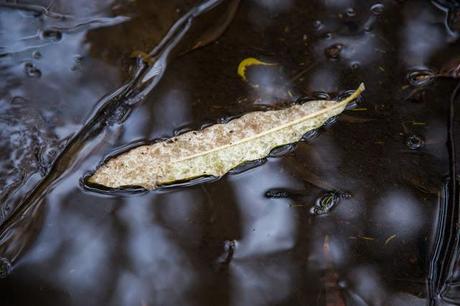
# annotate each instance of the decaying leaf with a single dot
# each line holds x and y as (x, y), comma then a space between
(216, 149)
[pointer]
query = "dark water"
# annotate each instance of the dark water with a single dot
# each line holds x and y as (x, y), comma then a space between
(363, 213)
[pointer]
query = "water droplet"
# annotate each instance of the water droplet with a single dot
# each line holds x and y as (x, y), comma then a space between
(310, 135)
(330, 122)
(229, 251)
(321, 95)
(247, 166)
(226, 118)
(277, 194)
(32, 71)
(5, 267)
(51, 35)
(377, 8)
(281, 151)
(333, 52)
(415, 142)
(345, 195)
(343, 284)
(317, 24)
(183, 130)
(353, 103)
(355, 65)
(351, 12)
(420, 77)
(316, 95)
(77, 62)
(325, 203)
(36, 54)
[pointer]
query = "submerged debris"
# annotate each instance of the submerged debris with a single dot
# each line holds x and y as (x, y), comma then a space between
(325, 203)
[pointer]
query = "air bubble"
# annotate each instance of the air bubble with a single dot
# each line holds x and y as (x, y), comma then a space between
(36, 54)
(420, 77)
(32, 71)
(310, 135)
(415, 142)
(277, 194)
(353, 103)
(247, 166)
(321, 95)
(333, 52)
(351, 12)
(377, 9)
(51, 35)
(282, 150)
(77, 62)
(330, 122)
(317, 24)
(343, 284)
(229, 251)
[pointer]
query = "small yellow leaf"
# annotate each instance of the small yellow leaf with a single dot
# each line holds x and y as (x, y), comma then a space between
(250, 61)
(144, 56)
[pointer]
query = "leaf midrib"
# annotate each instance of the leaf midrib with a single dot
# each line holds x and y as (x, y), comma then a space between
(344, 102)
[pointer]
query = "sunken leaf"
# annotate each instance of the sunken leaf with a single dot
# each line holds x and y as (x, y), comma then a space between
(216, 149)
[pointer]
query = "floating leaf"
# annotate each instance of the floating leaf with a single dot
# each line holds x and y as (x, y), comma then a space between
(216, 149)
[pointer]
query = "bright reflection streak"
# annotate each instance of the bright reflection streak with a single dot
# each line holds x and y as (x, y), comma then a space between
(270, 85)
(336, 253)
(422, 36)
(269, 226)
(323, 79)
(366, 286)
(363, 49)
(254, 285)
(338, 3)
(399, 213)
(158, 263)
(275, 5)
(85, 266)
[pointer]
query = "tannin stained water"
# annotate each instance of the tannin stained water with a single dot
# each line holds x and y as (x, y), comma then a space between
(359, 213)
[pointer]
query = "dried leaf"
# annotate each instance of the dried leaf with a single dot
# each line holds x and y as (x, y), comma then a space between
(217, 149)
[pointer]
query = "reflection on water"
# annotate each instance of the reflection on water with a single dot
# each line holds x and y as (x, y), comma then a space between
(399, 213)
(72, 93)
(272, 224)
(423, 34)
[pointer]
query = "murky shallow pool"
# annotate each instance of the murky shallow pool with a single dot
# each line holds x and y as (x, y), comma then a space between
(77, 84)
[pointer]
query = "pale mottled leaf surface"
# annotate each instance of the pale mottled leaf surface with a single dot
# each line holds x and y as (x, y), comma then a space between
(217, 149)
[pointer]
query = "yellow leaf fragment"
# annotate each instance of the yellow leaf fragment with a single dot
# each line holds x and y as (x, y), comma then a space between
(216, 149)
(144, 56)
(250, 61)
